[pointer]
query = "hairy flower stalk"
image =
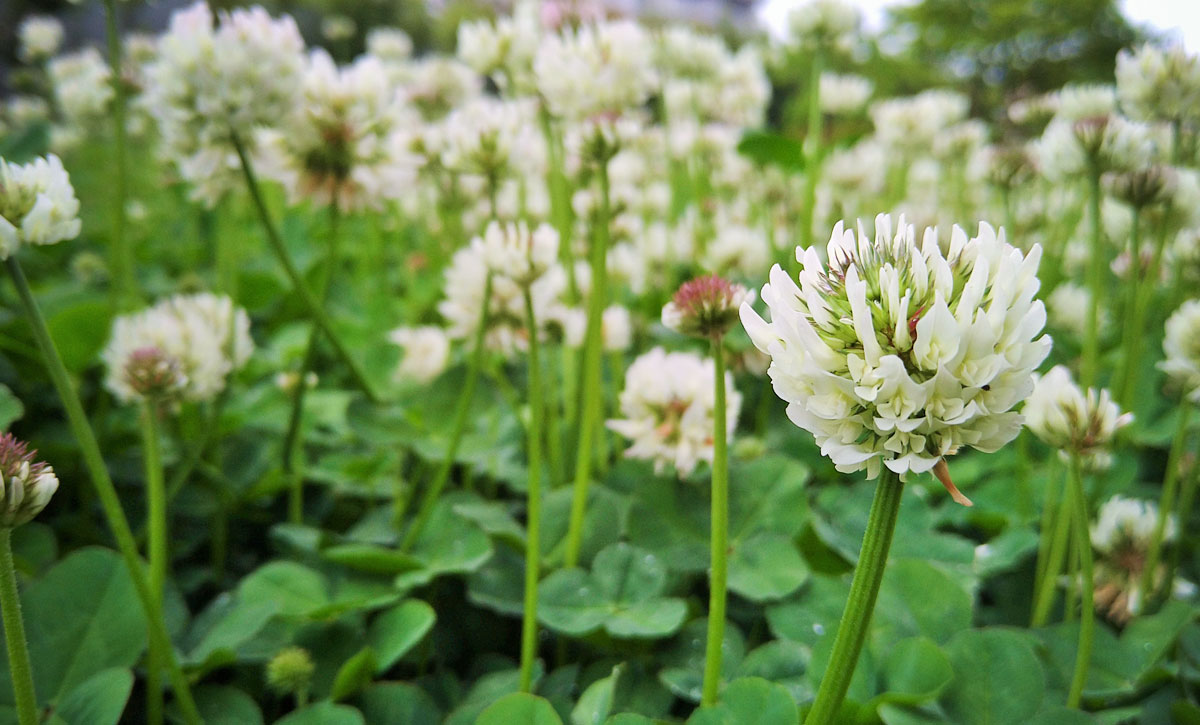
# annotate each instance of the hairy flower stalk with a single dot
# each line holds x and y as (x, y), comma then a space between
(895, 356)
(156, 527)
(26, 486)
(707, 307)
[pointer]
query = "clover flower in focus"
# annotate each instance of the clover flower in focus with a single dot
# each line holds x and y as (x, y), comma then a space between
(38, 38)
(37, 204)
(1065, 417)
(26, 484)
(345, 142)
(1181, 346)
(705, 307)
(1159, 84)
(183, 347)
(897, 354)
(667, 409)
(1121, 537)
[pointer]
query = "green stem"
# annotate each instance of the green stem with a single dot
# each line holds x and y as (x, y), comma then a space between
(156, 527)
(461, 410)
(1091, 337)
(1132, 333)
(1045, 539)
(1047, 587)
(14, 634)
(1165, 505)
(534, 505)
(315, 308)
(1087, 620)
(105, 490)
(852, 631)
(292, 450)
(591, 411)
(719, 537)
(124, 283)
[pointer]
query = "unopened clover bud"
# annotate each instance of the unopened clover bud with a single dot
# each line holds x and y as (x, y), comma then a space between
(290, 671)
(705, 307)
(27, 484)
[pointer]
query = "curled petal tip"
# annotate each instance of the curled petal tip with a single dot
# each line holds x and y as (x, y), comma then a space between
(942, 471)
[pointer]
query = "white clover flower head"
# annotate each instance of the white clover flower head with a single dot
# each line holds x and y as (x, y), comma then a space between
(912, 124)
(667, 409)
(426, 353)
(1181, 346)
(503, 49)
(825, 24)
(209, 83)
(616, 328)
(390, 45)
(1078, 101)
(1121, 536)
(21, 110)
(436, 85)
(37, 204)
(844, 94)
(38, 38)
(203, 336)
(1159, 84)
(491, 138)
(1068, 306)
(1067, 148)
(466, 279)
(346, 141)
(26, 484)
(82, 87)
(511, 250)
(1126, 525)
(336, 28)
(1065, 417)
(705, 307)
(601, 69)
(898, 354)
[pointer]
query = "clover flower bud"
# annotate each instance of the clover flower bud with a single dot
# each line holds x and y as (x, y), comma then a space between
(705, 307)
(1065, 417)
(26, 484)
(290, 671)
